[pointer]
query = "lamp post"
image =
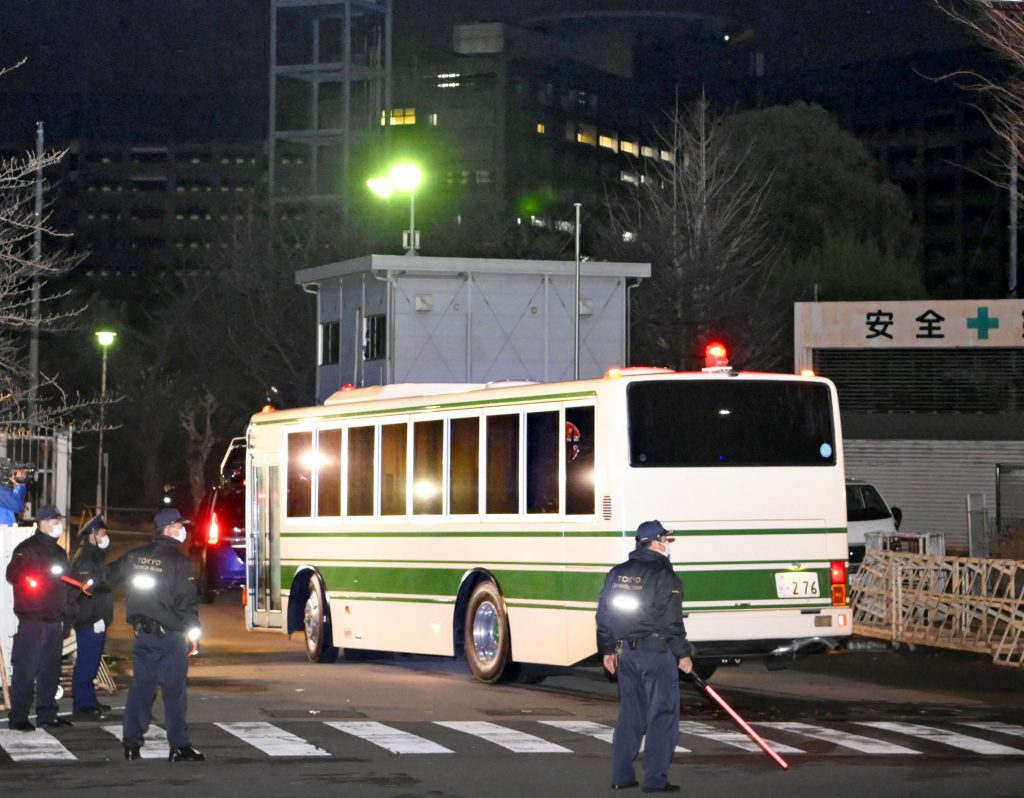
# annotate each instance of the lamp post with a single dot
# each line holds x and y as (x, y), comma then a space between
(105, 338)
(404, 178)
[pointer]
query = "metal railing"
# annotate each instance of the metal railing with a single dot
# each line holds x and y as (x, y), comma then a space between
(962, 603)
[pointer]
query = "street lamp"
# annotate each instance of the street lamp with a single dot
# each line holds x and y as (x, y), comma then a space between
(105, 338)
(404, 178)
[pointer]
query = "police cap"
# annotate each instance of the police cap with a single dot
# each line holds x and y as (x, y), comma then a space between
(166, 517)
(651, 530)
(94, 524)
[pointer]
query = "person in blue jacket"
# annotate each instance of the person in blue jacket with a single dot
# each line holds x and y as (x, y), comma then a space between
(12, 499)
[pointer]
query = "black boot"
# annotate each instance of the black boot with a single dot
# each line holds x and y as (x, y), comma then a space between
(132, 752)
(185, 753)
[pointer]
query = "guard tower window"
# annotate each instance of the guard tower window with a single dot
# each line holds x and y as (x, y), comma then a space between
(374, 337)
(330, 337)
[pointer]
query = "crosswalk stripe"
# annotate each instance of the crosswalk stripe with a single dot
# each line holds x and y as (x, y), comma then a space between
(951, 738)
(155, 742)
(32, 746)
(1002, 728)
(513, 740)
(271, 740)
(857, 742)
(733, 738)
(394, 740)
(596, 730)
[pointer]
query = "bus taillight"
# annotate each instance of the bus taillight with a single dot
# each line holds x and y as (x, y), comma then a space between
(213, 531)
(837, 573)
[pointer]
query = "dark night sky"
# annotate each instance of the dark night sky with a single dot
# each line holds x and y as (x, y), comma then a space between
(198, 68)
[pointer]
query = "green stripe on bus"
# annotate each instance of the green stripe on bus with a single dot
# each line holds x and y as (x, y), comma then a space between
(425, 408)
(781, 565)
(527, 533)
(730, 587)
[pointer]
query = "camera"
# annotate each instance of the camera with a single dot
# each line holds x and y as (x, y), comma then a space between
(8, 468)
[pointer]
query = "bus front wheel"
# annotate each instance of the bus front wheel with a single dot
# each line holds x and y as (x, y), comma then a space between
(316, 623)
(487, 643)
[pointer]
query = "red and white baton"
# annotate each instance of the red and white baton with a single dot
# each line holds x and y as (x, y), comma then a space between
(753, 735)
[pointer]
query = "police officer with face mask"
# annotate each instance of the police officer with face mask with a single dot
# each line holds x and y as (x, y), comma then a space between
(162, 606)
(94, 612)
(40, 602)
(641, 636)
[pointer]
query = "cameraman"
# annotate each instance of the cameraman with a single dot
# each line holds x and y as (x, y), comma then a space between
(12, 499)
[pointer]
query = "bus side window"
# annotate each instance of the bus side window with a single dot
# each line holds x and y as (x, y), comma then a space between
(393, 445)
(579, 460)
(464, 466)
(542, 462)
(300, 488)
(503, 464)
(427, 467)
(328, 492)
(360, 471)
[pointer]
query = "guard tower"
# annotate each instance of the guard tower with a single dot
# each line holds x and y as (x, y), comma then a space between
(330, 81)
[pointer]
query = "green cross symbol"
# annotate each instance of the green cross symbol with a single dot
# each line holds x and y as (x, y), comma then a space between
(982, 323)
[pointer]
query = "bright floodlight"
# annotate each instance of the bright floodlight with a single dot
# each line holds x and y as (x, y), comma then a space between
(405, 176)
(105, 337)
(381, 186)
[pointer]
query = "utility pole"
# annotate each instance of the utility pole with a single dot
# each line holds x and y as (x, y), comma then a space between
(1011, 267)
(576, 304)
(37, 259)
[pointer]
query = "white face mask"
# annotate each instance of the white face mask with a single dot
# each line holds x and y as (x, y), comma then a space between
(56, 531)
(102, 543)
(179, 536)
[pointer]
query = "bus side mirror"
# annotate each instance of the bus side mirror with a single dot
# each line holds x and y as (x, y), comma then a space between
(897, 515)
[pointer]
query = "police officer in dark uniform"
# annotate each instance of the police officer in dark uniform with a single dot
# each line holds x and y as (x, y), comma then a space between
(162, 605)
(94, 612)
(40, 602)
(641, 636)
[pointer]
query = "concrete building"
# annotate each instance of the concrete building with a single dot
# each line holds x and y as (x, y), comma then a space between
(395, 318)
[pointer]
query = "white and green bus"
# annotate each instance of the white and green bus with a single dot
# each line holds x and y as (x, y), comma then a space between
(482, 519)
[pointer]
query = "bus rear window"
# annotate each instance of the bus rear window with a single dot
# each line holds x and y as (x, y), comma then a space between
(730, 423)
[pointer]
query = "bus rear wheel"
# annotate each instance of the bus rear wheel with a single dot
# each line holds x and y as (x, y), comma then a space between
(316, 623)
(487, 642)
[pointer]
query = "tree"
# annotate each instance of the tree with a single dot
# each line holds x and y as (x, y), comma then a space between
(699, 216)
(26, 303)
(846, 232)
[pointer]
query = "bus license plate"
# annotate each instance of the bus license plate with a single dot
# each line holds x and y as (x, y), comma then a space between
(801, 584)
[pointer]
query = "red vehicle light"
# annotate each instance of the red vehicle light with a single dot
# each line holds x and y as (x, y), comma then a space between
(838, 595)
(31, 583)
(838, 571)
(213, 531)
(716, 355)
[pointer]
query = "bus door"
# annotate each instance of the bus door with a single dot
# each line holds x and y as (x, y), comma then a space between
(264, 565)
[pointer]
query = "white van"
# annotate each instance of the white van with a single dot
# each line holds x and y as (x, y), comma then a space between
(867, 511)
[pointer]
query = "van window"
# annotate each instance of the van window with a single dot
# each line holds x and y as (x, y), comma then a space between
(863, 503)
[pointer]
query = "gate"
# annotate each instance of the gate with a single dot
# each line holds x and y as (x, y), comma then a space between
(48, 451)
(1008, 540)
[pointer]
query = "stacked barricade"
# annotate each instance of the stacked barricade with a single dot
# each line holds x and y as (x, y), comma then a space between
(968, 604)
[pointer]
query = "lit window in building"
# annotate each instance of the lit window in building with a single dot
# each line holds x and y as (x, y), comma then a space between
(628, 237)
(483, 176)
(432, 120)
(586, 134)
(400, 116)
(666, 155)
(647, 152)
(629, 177)
(563, 226)
(630, 147)
(541, 129)
(609, 142)
(536, 221)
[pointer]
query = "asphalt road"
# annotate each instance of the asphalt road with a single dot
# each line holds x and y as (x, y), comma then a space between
(871, 722)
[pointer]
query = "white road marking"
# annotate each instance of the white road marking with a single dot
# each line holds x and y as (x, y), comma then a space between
(155, 739)
(1002, 728)
(271, 740)
(394, 740)
(517, 741)
(951, 738)
(32, 746)
(733, 738)
(857, 742)
(596, 730)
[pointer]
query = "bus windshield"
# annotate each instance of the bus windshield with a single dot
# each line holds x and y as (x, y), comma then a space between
(730, 423)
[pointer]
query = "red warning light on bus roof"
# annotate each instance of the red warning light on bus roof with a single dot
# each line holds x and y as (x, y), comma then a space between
(715, 355)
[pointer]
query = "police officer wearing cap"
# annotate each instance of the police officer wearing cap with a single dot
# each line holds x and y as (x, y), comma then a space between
(94, 612)
(162, 605)
(40, 602)
(641, 636)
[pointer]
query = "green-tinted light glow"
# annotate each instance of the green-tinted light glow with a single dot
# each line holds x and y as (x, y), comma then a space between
(105, 337)
(406, 176)
(381, 186)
